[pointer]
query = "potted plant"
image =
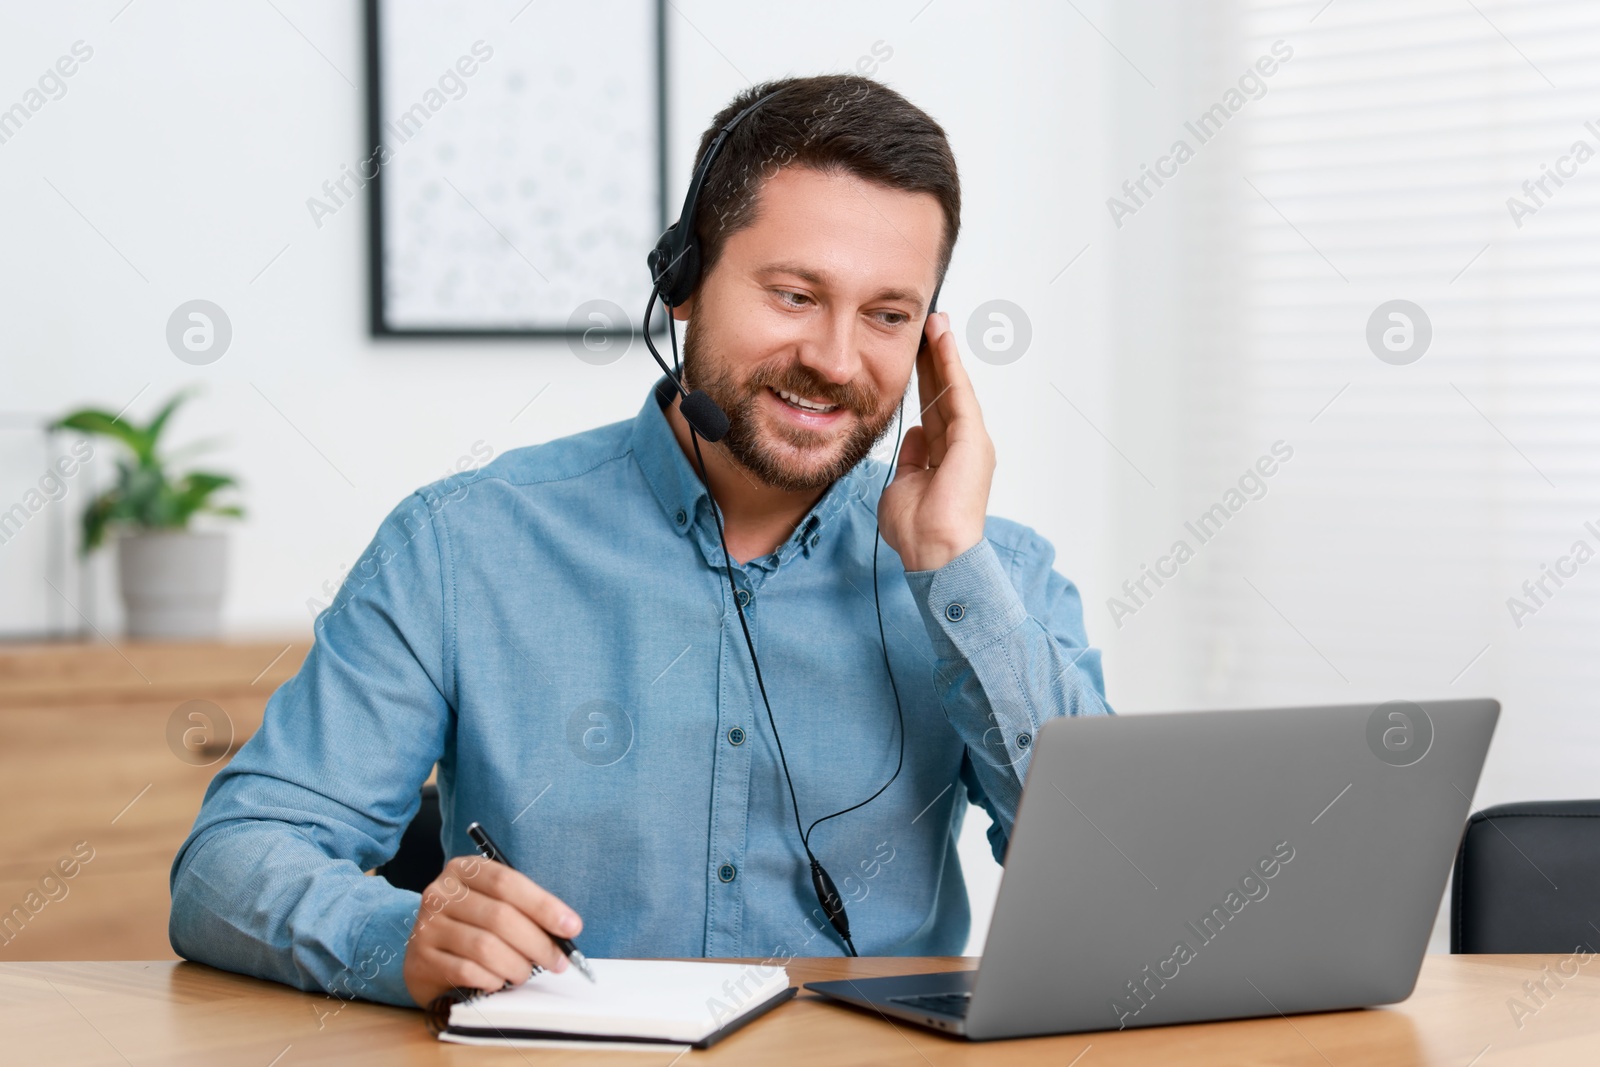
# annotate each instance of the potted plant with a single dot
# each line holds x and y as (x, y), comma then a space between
(171, 577)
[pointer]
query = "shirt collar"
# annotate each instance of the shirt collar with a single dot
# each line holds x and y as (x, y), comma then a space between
(677, 487)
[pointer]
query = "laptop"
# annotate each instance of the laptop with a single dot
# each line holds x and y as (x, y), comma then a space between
(1180, 868)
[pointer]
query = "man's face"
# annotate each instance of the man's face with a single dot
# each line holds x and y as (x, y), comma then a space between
(823, 298)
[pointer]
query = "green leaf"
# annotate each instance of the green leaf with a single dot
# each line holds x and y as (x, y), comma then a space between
(158, 423)
(91, 420)
(144, 496)
(147, 494)
(210, 482)
(96, 517)
(194, 489)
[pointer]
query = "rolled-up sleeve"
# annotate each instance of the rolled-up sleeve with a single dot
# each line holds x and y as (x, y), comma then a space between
(270, 880)
(1011, 654)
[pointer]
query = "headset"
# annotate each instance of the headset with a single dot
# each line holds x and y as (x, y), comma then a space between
(675, 271)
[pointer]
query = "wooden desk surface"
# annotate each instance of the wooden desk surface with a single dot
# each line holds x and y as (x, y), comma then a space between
(163, 1012)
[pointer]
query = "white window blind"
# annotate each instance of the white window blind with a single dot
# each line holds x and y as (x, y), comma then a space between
(1420, 497)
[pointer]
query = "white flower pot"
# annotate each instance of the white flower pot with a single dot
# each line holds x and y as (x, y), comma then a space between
(172, 582)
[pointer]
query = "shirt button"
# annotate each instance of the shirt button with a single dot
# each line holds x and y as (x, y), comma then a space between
(814, 539)
(1024, 740)
(682, 516)
(743, 597)
(955, 612)
(726, 872)
(736, 736)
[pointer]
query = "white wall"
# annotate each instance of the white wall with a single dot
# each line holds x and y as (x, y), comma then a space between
(1408, 517)
(191, 140)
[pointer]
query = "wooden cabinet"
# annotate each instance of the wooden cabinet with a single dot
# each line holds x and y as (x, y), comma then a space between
(110, 750)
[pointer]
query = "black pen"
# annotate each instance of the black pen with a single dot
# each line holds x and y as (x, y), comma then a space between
(491, 851)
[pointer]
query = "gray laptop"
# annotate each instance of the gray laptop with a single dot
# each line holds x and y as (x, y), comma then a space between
(1213, 865)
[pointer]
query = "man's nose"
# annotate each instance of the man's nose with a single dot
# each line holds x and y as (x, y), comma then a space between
(830, 350)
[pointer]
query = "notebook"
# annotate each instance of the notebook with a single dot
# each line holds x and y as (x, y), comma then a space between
(631, 1003)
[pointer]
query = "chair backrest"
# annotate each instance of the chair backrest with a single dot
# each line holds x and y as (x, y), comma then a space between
(1527, 879)
(421, 856)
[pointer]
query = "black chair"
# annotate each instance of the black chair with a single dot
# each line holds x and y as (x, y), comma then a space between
(1527, 879)
(420, 857)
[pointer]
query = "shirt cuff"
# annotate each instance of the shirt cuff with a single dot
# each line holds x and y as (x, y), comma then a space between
(968, 603)
(378, 972)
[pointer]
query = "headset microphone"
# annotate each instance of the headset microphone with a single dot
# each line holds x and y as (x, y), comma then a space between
(675, 265)
(701, 412)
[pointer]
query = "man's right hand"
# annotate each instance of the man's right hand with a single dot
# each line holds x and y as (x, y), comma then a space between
(482, 924)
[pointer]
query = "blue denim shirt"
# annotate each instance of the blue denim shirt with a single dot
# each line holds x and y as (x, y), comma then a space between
(555, 631)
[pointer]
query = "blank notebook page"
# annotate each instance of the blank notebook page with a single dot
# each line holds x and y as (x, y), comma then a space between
(665, 999)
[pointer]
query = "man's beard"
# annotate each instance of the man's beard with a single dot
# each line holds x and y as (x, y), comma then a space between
(745, 439)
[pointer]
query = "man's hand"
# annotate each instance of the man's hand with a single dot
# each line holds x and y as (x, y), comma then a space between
(934, 508)
(481, 925)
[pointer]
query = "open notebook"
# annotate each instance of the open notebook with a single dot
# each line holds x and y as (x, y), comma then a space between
(644, 1002)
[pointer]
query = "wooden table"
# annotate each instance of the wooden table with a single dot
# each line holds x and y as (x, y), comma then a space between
(163, 1012)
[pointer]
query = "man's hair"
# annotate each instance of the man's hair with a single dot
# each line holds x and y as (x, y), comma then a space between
(830, 123)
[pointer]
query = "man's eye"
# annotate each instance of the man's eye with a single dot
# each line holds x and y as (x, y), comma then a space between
(792, 299)
(893, 318)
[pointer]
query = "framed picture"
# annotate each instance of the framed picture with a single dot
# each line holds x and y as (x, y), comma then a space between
(517, 169)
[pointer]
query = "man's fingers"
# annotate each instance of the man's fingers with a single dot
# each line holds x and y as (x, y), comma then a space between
(483, 947)
(959, 400)
(534, 901)
(518, 931)
(913, 450)
(929, 386)
(459, 971)
(482, 925)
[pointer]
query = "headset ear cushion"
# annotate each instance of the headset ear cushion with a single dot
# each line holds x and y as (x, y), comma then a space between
(685, 276)
(660, 256)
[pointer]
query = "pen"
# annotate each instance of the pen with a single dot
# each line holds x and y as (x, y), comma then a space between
(491, 851)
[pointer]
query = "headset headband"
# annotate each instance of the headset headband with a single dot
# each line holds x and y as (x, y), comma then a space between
(675, 260)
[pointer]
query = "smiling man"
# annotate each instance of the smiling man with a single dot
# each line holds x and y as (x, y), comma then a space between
(557, 634)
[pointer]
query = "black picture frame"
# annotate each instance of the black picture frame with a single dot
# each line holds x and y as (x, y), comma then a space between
(377, 321)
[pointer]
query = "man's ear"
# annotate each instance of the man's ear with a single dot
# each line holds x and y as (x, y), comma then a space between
(685, 310)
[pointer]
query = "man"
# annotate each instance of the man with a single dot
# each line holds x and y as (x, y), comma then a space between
(556, 632)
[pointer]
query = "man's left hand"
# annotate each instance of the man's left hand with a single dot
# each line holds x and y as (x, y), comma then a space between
(934, 508)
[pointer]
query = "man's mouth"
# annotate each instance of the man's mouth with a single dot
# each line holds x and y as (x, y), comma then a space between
(800, 403)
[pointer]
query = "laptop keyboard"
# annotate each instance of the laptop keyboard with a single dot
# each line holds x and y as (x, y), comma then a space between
(955, 1004)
